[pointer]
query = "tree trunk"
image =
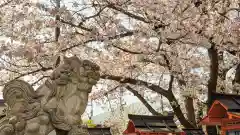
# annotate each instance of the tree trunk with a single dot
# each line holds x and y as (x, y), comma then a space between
(190, 110)
(199, 111)
(57, 29)
(178, 112)
(212, 82)
(236, 81)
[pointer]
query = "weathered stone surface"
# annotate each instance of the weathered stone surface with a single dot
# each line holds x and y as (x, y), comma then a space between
(58, 104)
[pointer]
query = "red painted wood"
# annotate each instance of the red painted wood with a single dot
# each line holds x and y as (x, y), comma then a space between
(131, 130)
(217, 111)
(218, 115)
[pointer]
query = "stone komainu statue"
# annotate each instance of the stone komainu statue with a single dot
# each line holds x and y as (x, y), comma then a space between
(56, 105)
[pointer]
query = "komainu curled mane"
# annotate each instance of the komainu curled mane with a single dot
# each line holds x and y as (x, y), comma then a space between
(56, 105)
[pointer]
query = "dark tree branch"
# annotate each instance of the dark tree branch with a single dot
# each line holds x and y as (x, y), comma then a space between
(57, 18)
(237, 75)
(141, 98)
(191, 122)
(40, 65)
(41, 78)
(117, 8)
(190, 110)
(105, 93)
(6, 3)
(230, 9)
(76, 45)
(167, 62)
(212, 82)
(130, 33)
(154, 62)
(10, 70)
(80, 25)
(15, 65)
(170, 83)
(28, 73)
(126, 50)
(169, 68)
(111, 90)
(93, 16)
(223, 70)
(153, 87)
(121, 35)
(178, 111)
(171, 40)
(74, 25)
(34, 71)
(159, 44)
(168, 94)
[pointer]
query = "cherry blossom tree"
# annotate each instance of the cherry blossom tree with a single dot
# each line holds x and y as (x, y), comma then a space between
(181, 50)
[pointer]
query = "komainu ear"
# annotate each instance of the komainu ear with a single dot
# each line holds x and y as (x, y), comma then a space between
(57, 62)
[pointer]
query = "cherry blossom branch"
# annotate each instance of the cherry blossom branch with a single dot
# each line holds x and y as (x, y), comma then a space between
(230, 9)
(121, 35)
(168, 94)
(76, 45)
(105, 93)
(130, 33)
(80, 25)
(171, 40)
(31, 72)
(6, 3)
(93, 16)
(151, 86)
(10, 70)
(15, 65)
(74, 25)
(152, 61)
(169, 68)
(126, 50)
(28, 73)
(40, 64)
(113, 6)
(34, 71)
(141, 98)
(41, 78)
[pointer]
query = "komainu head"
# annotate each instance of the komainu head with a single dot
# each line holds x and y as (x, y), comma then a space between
(84, 73)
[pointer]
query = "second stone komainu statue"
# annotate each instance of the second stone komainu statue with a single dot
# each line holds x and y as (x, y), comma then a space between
(56, 105)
